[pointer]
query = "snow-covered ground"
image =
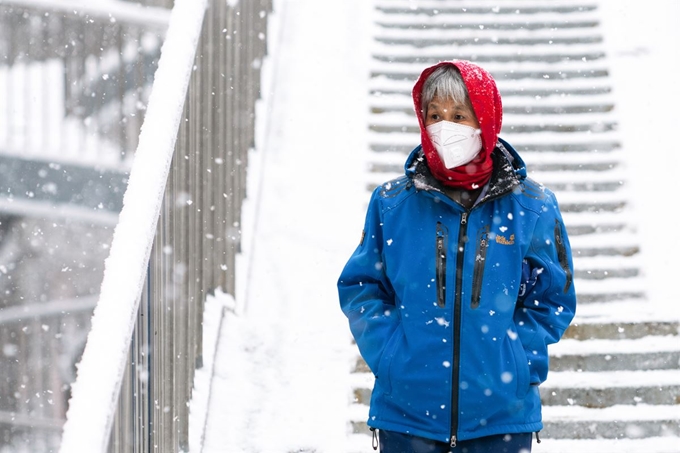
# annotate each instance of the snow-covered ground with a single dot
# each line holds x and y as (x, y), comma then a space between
(284, 357)
(284, 353)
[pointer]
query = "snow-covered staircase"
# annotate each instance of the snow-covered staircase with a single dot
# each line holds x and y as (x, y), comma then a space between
(615, 378)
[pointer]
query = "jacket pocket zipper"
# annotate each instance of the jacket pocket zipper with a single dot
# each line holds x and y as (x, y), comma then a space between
(478, 273)
(562, 255)
(440, 265)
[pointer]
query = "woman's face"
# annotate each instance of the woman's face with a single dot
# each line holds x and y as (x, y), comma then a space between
(446, 109)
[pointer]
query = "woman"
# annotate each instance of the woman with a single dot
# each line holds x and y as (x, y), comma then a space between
(462, 278)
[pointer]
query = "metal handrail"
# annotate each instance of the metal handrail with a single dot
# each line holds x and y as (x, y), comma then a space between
(101, 371)
(193, 252)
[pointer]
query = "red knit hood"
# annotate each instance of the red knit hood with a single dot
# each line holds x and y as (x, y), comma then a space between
(486, 102)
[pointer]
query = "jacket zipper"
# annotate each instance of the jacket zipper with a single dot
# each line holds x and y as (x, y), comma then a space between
(480, 261)
(462, 233)
(562, 255)
(441, 265)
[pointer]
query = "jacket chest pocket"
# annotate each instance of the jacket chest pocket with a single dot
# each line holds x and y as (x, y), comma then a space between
(441, 248)
(478, 270)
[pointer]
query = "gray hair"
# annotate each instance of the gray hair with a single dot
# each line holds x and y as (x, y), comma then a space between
(445, 82)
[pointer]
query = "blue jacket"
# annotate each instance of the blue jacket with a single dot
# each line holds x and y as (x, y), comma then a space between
(452, 308)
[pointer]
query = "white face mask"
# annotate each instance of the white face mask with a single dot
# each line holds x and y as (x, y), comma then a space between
(456, 144)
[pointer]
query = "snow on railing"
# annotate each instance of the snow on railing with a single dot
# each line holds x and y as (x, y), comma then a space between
(100, 372)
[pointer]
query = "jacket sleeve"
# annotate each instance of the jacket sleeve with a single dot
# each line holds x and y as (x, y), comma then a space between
(366, 296)
(549, 303)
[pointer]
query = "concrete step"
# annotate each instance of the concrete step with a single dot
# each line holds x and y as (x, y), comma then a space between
(575, 166)
(558, 87)
(616, 422)
(631, 318)
(606, 273)
(434, 8)
(557, 127)
(385, 146)
(362, 395)
(384, 173)
(392, 163)
(542, 141)
(560, 128)
(518, 94)
(664, 444)
(361, 442)
(596, 389)
(500, 70)
(381, 106)
(607, 296)
(614, 203)
(620, 330)
(622, 250)
(610, 388)
(614, 285)
(603, 241)
(502, 74)
(548, 146)
(599, 226)
(456, 40)
(590, 150)
(406, 52)
(535, 111)
(461, 20)
(590, 187)
(394, 160)
(647, 353)
(582, 177)
(594, 146)
(469, 27)
(569, 422)
(402, 122)
(594, 263)
(436, 54)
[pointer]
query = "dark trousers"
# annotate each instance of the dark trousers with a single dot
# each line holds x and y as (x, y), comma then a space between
(393, 442)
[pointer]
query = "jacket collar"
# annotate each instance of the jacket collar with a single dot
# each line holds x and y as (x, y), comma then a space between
(508, 171)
